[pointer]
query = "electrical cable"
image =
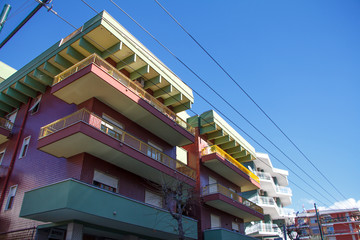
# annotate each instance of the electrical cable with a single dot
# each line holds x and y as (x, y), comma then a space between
(232, 122)
(20, 9)
(245, 92)
(193, 90)
(121, 60)
(222, 98)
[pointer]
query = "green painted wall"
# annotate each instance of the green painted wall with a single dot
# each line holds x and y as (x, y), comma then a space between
(74, 195)
(224, 234)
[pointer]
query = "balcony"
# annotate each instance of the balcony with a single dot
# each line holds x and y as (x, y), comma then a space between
(224, 234)
(94, 77)
(268, 204)
(226, 200)
(268, 184)
(340, 220)
(225, 165)
(83, 131)
(264, 176)
(71, 200)
(342, 232)
(287, 213)
(217, 131)
(283, 190)
(263, 229)
(5, 129)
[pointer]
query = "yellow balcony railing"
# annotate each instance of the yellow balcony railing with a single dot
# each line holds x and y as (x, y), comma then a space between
(218, 188)
(124, 80)
(215, 149)
(110, 129)
(5, 123)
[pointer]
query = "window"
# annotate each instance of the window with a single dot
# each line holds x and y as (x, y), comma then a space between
(235, 226)
(11, 196)
(330, 230)
(2, 153)
(215, 221)
(212, 185)
(300, 221)
(315, 230)
(181, 155)
(153, 199)
(111, 126)
(24, 147)
(35, 107)
(154, 151)
(304, 233)
(105, 181)
(11, 117)
(313, 220)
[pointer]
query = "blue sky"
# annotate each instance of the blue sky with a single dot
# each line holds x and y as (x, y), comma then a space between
(300, 61)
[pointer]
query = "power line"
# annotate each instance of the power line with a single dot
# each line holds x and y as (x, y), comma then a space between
(20, 9)
(192, 71)
(215, 107)
(196, 92)
(245, 92)
(200, 96)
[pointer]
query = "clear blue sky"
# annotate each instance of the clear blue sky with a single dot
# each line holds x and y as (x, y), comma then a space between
(300, 60)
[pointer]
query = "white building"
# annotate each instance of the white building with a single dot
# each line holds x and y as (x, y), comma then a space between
(273, 196)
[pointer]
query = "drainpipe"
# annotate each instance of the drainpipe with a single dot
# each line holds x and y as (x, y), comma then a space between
(198, 185)
(13, 158)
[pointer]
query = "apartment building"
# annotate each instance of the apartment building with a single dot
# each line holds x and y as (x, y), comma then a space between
(91, 132)
(222, 179)
(336, 224)
(273, 196)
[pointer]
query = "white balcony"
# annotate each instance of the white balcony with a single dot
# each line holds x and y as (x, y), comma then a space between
(264, 176)
(268, 204)
(283, 190)
(267, 184)
(263, 229)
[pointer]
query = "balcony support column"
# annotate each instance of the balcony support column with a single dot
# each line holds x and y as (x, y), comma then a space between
(74, 231)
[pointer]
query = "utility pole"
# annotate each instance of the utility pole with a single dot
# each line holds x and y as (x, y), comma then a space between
(317, 217)
(4, 15)
(284, 229)
(32, 13)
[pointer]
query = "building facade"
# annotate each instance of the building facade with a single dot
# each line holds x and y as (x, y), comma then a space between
(336, 224)
(273, 196)
(95, 145)
(222, 178)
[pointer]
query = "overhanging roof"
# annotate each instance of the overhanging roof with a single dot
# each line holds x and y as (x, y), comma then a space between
(106, 37)
(220, 133)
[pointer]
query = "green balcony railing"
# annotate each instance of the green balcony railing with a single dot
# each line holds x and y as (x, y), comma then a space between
(218, 188)
(110, 129)
(124, 80)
